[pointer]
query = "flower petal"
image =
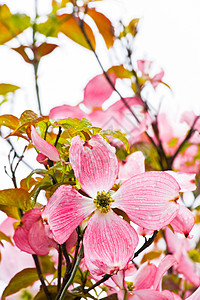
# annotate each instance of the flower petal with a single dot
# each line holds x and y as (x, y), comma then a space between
(145, 276)
(133, 165)
(65, 210)
(149, 199)
(38, 239)
(195, 295)
(65, 112)
(167, 262)
(94, 163)
(44, 147)
(184, 221)
(98, 90)
(21, 233)
(147, 294)
(185, 180)
(109, 243)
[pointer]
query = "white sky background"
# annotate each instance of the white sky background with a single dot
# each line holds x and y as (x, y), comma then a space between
(169, 35)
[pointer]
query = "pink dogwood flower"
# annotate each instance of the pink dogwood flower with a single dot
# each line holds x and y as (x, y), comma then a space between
(149, 199)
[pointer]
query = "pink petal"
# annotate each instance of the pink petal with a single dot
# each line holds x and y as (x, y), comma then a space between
(157, 79)
(42, 159)
(185, 180)
(21, 234)
(38, 239)
(187, 268)
(65, 210)
(44, 147)
(65, 112)
(94, 163)
(144, 66)
(133, 165)
(167, 262)
(97, 91)
(21, 240)
(184, 221)
(145, 276)
(149, 199)
(147, 294)
(109, 243)
(195, 295)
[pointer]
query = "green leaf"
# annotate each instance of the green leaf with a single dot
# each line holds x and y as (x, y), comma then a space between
(15, 197)
(118, 135)
(21, 280)
(11, 24)
(9, 121)
(6, 88)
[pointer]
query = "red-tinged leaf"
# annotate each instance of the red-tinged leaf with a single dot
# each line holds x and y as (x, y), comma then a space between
(21, 280)
(151, 255)
(15, 197)
(11, 24)
(10, 211)
(17, 134)
(27, 116)
(6, 88)
(44, 49)
(104, 26)
(120, 72)
(9, 121)
(21, 50)
(27, 120)
(69, 25)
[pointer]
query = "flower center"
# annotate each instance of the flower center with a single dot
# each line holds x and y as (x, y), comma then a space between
(103, 201)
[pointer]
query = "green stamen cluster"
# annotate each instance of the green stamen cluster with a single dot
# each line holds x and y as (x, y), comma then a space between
(130, 286)
(103, 201)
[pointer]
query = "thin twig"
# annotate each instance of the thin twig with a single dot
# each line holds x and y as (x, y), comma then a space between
(145, 245)
(39, 271)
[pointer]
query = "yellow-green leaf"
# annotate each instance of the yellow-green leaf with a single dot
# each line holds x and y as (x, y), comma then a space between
(120, 72)
(70, 26)
(104, 26)
(10, 211)
(4, 237)
(151, 255)
(15, 197)
(6, 88)
(11, 24)
(9, 121)
(194, 255)
(21, 280)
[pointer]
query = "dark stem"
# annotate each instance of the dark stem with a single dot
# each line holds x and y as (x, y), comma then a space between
(188, 136)
(104, 278)
(61, 294)
(39, 271)
(145, 245)
(59, 267)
